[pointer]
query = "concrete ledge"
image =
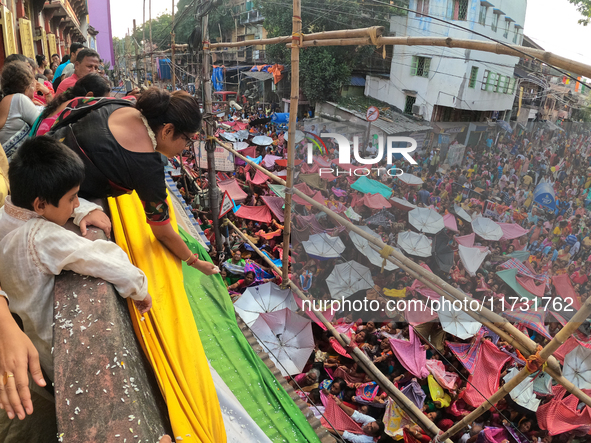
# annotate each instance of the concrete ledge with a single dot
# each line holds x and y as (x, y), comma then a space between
(105, 390)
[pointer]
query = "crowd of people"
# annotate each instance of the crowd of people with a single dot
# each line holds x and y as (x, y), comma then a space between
(543, 255)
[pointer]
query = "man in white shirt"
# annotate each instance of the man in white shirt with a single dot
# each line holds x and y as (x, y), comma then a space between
(371, 428)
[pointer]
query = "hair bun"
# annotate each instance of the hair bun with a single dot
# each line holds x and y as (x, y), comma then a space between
(153, 103)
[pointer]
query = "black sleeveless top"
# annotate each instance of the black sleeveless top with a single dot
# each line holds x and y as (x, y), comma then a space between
(110, 169)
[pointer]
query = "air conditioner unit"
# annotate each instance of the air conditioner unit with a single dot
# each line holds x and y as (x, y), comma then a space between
(417, 109)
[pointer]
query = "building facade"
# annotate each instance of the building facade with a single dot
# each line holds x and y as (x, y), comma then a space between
(32, 27)
(99, 13)
(453, 85)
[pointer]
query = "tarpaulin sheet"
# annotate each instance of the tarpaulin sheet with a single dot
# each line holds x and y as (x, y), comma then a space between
(411, 354)
(512, 230)
(529, 284)
(313, 180)
(508, 276)
(484, 381)
(375, 201)
(167, 333)
(257, 213)
(565, 289)
(269, 160)
(233, 188)
(275, 204)
(369, 186)
(258, 179)
(233, 358)
(450, 222)
(471, 258)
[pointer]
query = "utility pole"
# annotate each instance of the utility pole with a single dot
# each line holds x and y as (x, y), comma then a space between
(291, 131)
(172, 61)
(214, 201)
(144, 45)
(151, 44)
(137, 56)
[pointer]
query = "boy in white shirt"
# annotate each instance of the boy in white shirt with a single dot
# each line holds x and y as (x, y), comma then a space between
(45, 177)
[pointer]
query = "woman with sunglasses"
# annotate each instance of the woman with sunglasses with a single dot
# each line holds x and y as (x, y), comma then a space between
(124, 148)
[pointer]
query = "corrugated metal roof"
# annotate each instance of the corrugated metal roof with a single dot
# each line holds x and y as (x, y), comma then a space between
(357, 81)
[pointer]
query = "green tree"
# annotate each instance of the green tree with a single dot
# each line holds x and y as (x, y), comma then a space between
(584, 8)
(323, 71)
(161, 27)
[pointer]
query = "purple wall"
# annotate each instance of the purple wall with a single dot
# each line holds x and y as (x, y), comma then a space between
(99, 17)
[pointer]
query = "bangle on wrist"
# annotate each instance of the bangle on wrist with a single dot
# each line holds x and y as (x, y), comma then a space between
(193, 262)
(188, 258)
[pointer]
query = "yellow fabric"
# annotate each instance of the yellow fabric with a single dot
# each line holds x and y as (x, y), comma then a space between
(437, 392)
(4, 188)
(168, 333)
(385, 253)
(395, 292)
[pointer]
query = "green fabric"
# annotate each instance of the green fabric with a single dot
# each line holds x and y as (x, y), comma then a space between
(508, 276)
(279, 190)
(520, 255)
(369, 186)
(232, 357)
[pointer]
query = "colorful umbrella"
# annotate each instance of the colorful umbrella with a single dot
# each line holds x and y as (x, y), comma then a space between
(487, 229)
(426, 220)
(287, 338)
(348, 278)
(261, 299)
(414, 244)
(577, 367)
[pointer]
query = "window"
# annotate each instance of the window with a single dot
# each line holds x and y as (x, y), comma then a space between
(457, 9)
(502, 84)
(507, 85)
(473, 77)
(422, 7)
(410, 101)
(512, 85)
(490, 81)
(482, 16)
(515, 35)
(506, 33)
(495, 23)
(420, 66)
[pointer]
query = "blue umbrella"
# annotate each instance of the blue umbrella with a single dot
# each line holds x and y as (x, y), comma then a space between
(505, 126)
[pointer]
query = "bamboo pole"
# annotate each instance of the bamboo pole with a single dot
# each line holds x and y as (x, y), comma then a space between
(547, 351)
(489, 318)
(291, 131)
(263, 41)
(400, 399)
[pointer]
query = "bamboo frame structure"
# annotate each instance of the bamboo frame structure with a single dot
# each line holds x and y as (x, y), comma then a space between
(291, 131)
(370, 369)
(492, 320)
(346, 38)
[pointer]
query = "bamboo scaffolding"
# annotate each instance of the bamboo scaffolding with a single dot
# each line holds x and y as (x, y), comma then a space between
(291, 131)
(400, 399)
(344, 38)
(497, 323)
(559, 339)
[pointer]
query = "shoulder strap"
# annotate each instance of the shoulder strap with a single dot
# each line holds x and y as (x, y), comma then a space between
(81, 107)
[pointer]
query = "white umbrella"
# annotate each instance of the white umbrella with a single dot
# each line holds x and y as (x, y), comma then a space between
(262, 140)
(230, 136)
(487, 229)
(348, 278)
(262, 299)
(242, 134)
(402, 204)
(415, 244)
(364, 247)
(410, 179)
(323, 245)
(577, 367)
(460, 212)
(239, 146)
(287, 338)
(299, 136)
(523, 393)
(458, 323)
(426, 220)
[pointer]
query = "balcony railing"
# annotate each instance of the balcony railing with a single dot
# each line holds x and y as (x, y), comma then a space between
(251, 17)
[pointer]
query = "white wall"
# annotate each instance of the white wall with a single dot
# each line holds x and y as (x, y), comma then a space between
(447, 84)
